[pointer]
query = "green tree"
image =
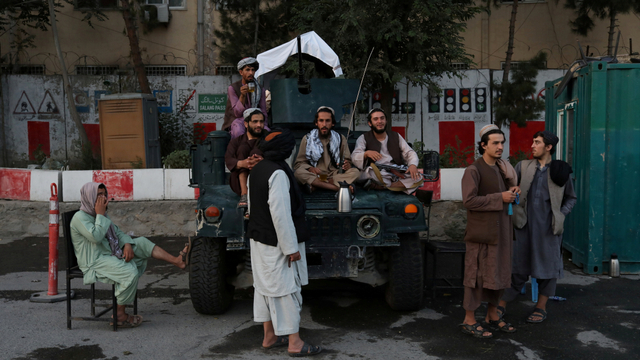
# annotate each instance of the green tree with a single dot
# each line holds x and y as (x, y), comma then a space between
(515, 103)
(249, 27)
(413, 39)
(587, 11)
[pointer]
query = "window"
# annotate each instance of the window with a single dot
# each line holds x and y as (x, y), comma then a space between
(166, 70)
(173, 4)
(226, 70)
(99, 4)
(515, 64)
(96, 69)
(23, 69)
(460, 66)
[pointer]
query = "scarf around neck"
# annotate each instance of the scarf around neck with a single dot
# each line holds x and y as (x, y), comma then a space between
(315, 149)
(88, 197)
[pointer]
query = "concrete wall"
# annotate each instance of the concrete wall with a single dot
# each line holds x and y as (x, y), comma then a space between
(36, 111)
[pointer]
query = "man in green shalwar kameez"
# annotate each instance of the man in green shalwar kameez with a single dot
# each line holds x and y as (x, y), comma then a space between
(108, 255)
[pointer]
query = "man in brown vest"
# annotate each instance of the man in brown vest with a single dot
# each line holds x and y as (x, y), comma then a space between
(489, 235)
(382, 146)
(244, 94)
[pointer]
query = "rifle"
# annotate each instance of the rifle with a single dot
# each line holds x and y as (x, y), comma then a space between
(401, 170)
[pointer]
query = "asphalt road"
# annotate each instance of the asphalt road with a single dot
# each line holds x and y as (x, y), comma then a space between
(600, 320)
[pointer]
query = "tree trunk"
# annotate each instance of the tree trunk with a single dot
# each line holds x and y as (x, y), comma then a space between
(136, 57)
(612, 29)
(255, 35)
(84, 140)
(512, 30)
(386, 100)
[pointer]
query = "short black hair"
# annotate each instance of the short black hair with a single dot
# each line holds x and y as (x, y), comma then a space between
(485, 139)
(333, 117)
(546, 142)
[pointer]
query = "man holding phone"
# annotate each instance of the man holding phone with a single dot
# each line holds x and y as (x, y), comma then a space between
(244, 94)
(108, 255)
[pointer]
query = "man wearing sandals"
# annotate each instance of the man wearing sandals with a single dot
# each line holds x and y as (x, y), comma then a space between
(547, 197)
(108, 255)
(243, 154)
(322, 151)
(486, 193)
(277, 231)
(383, 146)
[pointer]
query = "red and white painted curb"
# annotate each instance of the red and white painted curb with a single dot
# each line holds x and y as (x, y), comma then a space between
(147, 184)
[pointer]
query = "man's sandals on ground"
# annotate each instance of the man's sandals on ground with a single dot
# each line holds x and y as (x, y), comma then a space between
(474, 331)
(280, 341)
(131, 322)
(508, 328)
(537, 316)
(307, 350)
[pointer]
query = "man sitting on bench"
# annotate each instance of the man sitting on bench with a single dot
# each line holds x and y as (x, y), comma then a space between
(108, 255)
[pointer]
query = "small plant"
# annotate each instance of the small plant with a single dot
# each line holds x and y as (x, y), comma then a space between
(39, 155)
(136, 164)
(179, 159)
(519, 156)
(457, 157)
(417, 146)
(177, 132)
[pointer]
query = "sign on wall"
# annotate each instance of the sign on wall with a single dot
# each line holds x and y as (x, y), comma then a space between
(212, 103)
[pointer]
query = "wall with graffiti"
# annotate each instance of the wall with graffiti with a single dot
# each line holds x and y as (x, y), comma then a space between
(37, 122)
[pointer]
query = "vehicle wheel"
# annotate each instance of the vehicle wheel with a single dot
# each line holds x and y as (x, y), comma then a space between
(210, 292)
(406, 275)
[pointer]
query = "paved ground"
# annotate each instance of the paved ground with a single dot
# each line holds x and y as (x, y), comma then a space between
(600, 320)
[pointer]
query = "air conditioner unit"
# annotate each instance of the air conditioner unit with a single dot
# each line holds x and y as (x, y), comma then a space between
(163, 13)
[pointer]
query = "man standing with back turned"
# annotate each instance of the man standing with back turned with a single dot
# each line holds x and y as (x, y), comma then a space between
(489, 234)
(277, 231)
(547, 197)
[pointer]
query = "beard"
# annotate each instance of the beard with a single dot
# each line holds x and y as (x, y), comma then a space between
(322, 135)
(253, 131)
(379, 131)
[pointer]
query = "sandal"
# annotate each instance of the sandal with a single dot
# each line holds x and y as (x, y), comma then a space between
(243, 203)
(131, 322)
(537, 318)
(280, 341)
(474, 331)
(501, 311)
(504, 328)
(185, 255)
(307, 350)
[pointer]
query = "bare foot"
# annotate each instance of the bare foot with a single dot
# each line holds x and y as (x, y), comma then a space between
(181, 264)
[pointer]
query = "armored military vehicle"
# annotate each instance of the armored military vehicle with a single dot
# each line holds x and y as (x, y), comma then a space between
(377, 242)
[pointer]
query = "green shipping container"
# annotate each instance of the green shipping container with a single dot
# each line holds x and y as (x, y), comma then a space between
(597, 118)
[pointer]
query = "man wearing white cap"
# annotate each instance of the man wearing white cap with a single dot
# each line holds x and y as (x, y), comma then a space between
(244, 94)
(243, 154)
(323, 152)
(486, 193)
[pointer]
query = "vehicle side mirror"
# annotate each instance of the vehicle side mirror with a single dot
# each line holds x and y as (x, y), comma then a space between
(431, 166)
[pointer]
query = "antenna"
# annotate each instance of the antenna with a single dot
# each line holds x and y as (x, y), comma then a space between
(615, 53)
(353, 112)
(582, 52)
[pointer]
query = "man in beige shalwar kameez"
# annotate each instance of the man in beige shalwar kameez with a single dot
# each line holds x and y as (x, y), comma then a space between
(324, 151)
(486, 194)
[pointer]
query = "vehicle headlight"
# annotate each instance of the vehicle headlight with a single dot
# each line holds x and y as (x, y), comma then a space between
(368, 226)
(212, 214)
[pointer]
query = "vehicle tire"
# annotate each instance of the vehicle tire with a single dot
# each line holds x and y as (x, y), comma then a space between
(405, 289)
(210, 292)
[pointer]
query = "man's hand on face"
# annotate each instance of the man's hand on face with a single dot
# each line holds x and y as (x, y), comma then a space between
(101, 204)
(508, 197)
(415, 174)
(315, 170)
(127, 252)
(294, 257)
(347, 165)
(373, 155)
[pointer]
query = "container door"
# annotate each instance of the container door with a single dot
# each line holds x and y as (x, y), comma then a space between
(151, 134)
(122, 134)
